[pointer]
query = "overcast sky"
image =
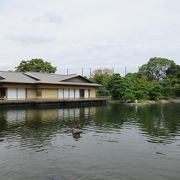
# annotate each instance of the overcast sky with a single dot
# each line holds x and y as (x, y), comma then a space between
(89, 33)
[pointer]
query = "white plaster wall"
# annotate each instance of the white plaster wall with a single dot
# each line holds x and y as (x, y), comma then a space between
(60, 94)
(21, 93)
(71, 93)
(77, 95)
(66, 93)
(12, 93)
(86, 94)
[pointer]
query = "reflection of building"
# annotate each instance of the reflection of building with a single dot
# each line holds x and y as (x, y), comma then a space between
(47, 115)
(76, 113)
(15, 115)
(37, 86)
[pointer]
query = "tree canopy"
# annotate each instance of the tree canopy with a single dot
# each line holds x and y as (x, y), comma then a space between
(158, 79)
(35, 65)
(156, 67)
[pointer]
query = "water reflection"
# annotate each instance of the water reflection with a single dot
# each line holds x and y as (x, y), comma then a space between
(159, 123)
(36, 126)
(117, 142)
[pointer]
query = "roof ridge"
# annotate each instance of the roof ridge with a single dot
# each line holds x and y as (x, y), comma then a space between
(49, 73)
(69, 77)
(12, 72)
(31, 77)
(56, 74)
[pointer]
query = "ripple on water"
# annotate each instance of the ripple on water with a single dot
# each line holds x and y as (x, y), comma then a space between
(118, 142)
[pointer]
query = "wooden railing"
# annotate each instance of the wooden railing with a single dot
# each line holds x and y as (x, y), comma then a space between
(56, 99)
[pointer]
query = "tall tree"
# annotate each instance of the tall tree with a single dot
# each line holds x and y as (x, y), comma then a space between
(156, 68)
(174, 71)
(35, 65)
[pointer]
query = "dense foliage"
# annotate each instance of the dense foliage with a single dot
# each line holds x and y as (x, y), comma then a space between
(35, 65)
(158, 79)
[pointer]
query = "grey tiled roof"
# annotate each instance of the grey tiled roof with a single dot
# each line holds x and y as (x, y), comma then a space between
(49, 78)
(41, 78)
(15, 77)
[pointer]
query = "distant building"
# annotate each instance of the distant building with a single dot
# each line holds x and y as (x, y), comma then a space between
(34, 85)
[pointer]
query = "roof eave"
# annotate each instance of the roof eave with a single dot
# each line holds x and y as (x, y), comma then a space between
(71, 84)
(59, 83)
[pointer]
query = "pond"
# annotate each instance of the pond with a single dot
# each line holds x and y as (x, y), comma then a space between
(118, 142)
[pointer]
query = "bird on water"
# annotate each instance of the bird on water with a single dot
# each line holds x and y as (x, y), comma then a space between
(76, 131)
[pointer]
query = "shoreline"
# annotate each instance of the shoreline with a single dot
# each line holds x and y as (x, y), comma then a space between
(147, 102)
(51, 102)
(156, 102)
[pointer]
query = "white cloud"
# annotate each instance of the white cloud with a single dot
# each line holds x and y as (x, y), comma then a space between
(49, 18)
(26, 40)
(88, 33)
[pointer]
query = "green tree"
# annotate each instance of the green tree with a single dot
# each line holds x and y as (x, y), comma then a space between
(156, 68)
(156, 92)
(122, 88)
(35, 65)
(171, 83)
(102, 76)
(167, 87)
(128, 88)
(142, 86)
(158, 79)
(113, 86)
(174, 71)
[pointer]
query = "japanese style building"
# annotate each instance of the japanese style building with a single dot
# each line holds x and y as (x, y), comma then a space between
(15, 86)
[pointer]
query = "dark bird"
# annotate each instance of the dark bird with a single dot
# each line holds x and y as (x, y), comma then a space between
(76, 131)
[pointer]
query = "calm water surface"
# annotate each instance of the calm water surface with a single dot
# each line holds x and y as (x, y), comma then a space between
(118, 142)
